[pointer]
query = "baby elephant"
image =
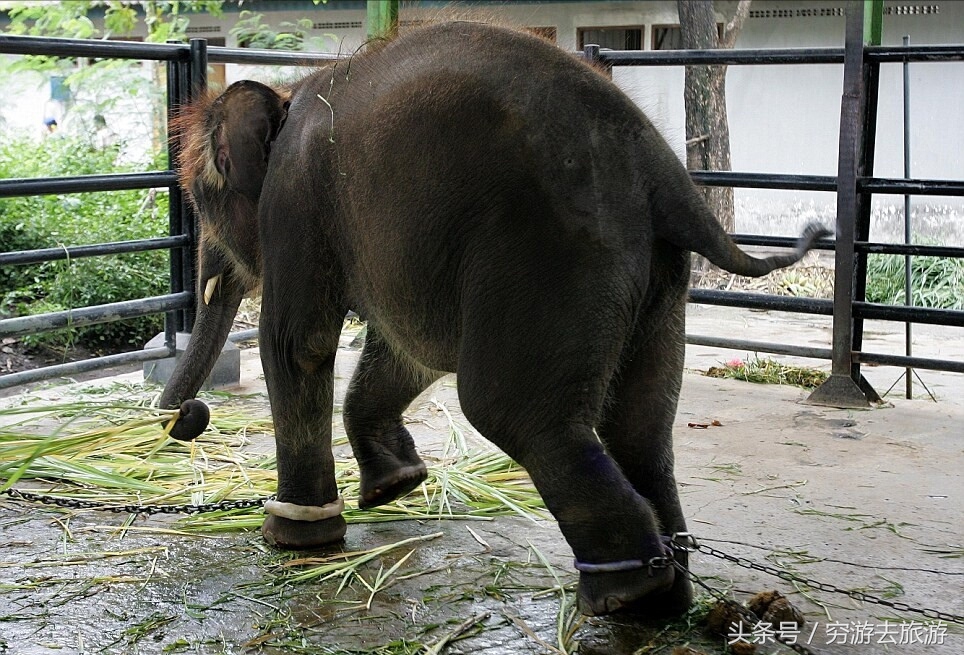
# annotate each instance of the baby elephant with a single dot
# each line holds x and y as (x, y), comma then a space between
(493, 207)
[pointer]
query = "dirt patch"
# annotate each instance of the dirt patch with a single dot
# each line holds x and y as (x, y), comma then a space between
(15, 356)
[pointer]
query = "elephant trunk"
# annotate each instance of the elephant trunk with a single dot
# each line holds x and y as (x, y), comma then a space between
(216, 311)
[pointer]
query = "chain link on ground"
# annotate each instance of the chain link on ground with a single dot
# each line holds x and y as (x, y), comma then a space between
(686, 542)
(825, 586)
(76, 503)
(745, 612)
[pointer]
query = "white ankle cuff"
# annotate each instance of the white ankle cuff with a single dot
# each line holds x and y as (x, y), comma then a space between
(305, 512)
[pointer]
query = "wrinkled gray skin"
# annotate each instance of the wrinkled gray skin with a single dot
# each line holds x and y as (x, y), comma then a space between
(493, 207)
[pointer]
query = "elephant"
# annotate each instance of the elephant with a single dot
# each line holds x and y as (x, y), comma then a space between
(494, 207)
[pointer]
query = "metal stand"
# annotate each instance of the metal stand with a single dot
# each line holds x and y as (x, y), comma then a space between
(846, 387)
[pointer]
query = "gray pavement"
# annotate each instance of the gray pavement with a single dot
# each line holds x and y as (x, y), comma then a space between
(864, 500)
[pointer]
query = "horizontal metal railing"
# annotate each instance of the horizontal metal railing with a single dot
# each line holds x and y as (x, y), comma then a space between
(83, 316)
(93, 250)
(776, 57)
(865, 185)
(185, 58)
(180, 241)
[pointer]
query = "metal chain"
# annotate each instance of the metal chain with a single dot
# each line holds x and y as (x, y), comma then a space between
(744, 612)
(685, 542)
(680, 541)
(824, 586)
(75, 503)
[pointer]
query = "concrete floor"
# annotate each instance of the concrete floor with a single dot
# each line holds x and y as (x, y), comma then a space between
(864, 500)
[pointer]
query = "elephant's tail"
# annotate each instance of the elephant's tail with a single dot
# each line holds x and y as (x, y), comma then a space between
(728, 256)
(682, 217)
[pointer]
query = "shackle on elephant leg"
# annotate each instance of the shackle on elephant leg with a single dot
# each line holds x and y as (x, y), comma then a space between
(310, 513)
(192, 417)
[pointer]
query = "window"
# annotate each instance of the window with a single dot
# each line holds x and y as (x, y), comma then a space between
(338, 25)
(202, 30)
(667, 37)
(614, 38)
(670, 37)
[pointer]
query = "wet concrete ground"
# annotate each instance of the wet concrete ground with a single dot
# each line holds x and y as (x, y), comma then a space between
(863, 500)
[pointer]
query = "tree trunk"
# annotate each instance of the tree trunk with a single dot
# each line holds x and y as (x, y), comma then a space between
(704, 95)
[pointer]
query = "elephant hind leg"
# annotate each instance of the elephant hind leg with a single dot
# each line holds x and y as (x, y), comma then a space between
(538, 397)
(383, 386)
(637, 431)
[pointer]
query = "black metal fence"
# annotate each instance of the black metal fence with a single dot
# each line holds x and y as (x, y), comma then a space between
(186, 78)
(854, 186)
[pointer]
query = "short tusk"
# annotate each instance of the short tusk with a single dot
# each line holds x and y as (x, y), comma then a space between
(305, 512)
(210, 288)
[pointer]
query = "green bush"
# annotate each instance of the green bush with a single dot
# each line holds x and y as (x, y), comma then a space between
(76, 219)
(936, 281)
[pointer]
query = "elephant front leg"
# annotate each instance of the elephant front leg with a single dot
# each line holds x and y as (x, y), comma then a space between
(299, 371)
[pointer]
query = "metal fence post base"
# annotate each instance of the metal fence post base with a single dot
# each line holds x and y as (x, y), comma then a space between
(226, 371)
(841, 391)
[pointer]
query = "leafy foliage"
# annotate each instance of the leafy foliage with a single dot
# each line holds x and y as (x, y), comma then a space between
(97, 88)
(252, 32)
(52, 221)
(165, 19)
(109, 80)
(936, 281)
(67, 19)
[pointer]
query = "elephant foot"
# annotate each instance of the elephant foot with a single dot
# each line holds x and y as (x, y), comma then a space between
(303, 535)
(608, 592)
(645, 592)
(664, 605)
(674, 602)
(389, 465)
(384, 486)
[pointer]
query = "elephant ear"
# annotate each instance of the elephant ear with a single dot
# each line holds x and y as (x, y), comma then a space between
(248, 117)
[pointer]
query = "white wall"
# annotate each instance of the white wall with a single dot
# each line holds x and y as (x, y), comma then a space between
(786, 119)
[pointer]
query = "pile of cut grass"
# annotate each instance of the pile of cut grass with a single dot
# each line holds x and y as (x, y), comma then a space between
(769, 371)
(118, 454)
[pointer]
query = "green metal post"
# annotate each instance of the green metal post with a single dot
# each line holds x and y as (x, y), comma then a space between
(873, 21)
(382, 19)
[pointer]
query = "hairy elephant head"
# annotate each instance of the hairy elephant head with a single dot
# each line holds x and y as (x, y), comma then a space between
(225, 144)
